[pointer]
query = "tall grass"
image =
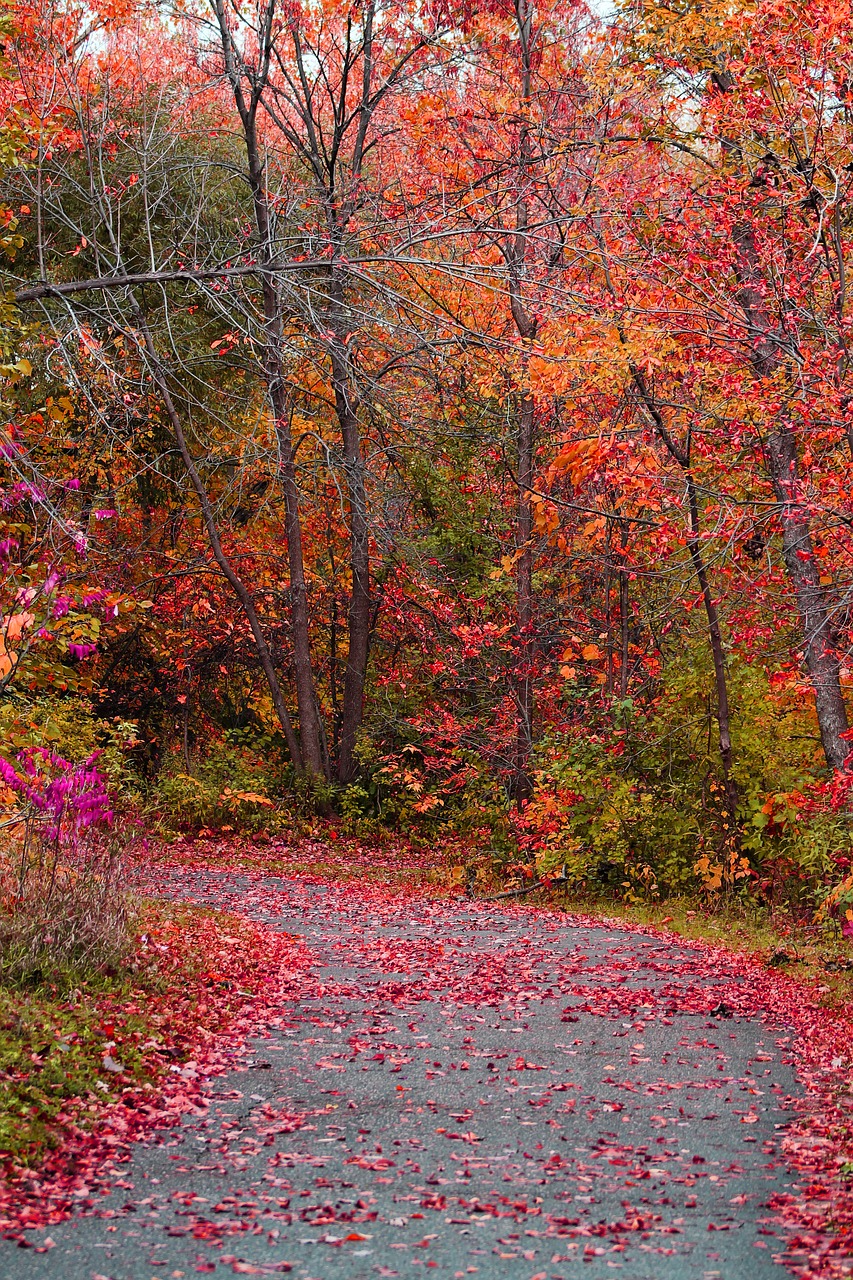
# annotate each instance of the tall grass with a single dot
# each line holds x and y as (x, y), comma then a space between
(64, 908)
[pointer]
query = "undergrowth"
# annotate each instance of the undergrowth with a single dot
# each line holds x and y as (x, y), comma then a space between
(52, 1051)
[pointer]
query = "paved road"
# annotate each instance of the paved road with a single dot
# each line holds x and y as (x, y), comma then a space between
(464, 1091)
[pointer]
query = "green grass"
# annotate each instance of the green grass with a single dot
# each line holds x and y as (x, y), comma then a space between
(187, 975)
(55, 1035)
(52, 1047)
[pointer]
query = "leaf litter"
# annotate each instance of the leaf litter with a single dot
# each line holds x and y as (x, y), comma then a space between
(421, 999)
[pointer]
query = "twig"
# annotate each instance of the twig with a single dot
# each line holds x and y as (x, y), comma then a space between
(528, 888)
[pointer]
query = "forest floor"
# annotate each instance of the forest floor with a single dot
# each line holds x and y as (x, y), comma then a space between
(370, 1077)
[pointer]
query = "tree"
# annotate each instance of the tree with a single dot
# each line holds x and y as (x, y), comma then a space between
(319, 86)
(765, 148)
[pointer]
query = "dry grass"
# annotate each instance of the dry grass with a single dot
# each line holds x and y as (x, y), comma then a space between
(61, 916)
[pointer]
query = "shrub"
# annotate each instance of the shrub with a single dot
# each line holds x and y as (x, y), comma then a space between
(433, 785)
(64, 911)
(229, 790)
(633, 806)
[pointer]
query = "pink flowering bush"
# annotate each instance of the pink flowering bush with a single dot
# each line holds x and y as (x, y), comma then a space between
(63, 909)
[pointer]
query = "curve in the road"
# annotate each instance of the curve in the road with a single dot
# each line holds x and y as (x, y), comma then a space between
(463, 1091)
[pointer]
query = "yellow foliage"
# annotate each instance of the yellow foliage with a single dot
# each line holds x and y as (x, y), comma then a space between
(235, 798)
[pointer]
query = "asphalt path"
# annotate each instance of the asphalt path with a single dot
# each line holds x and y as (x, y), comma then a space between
(463, 1091)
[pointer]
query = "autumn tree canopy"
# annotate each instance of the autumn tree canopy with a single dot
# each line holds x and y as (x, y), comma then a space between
(447, 407)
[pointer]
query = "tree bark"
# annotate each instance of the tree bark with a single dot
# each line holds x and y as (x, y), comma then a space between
(820, 655)
(515, 254)
(310, 723)
(682, 455)
(718, 653)
(361, 604)
(524, 599)
(624, 602)
(821, 658)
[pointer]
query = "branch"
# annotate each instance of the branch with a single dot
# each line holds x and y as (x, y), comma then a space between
(47, 289)
(516, 893)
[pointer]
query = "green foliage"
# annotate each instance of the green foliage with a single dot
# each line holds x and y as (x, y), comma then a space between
(230, 789)
(52, 1050)
(426, 788)
(638, 811)
(65, 1045)
(70, 725)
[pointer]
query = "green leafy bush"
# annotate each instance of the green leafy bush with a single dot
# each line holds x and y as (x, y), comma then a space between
(231, 789)
(635, 808)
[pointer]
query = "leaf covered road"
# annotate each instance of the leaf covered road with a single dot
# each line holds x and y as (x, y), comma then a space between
(466, 1091)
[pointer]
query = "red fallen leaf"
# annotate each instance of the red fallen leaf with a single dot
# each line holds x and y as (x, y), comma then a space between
(208, 1230)
(751, 1119)
(206, 1266)
(355, 1235)
(363, 1163)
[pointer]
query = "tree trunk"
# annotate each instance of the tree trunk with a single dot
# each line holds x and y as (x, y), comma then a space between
(682, 455)
(310, 724)
(515, 255)
(524, 595)
(608, 612)
(718, 653)
(820, 654)
(361, 604)
(624, 602)
(822, 662)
